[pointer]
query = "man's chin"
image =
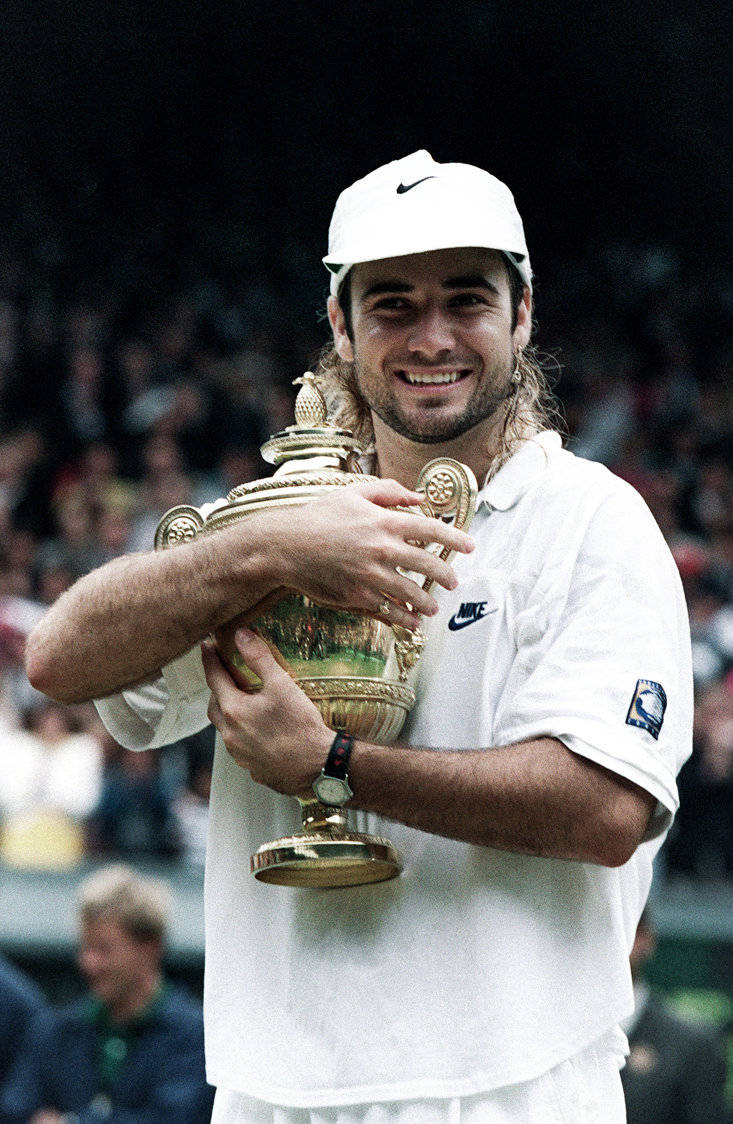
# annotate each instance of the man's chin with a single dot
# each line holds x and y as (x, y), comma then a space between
(432, 432)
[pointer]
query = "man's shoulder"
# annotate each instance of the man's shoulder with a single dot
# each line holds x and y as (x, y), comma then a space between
(19, 993)
(581, 486)
(569, 468)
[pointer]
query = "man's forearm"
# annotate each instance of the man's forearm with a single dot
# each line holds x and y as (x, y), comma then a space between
(120, 624)
(534, 797)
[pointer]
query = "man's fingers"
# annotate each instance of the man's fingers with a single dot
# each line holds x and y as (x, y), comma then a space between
(217, 676)
(426, 530)
(388, 493)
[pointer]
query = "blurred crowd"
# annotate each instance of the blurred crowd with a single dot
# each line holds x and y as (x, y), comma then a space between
(137, 379)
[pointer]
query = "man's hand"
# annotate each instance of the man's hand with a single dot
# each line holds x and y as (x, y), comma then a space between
(276, 733)
(120, 624)
(534, 797)
(47, 1116)
(344, 550)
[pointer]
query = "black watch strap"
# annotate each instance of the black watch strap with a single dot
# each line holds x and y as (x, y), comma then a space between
(337, 762)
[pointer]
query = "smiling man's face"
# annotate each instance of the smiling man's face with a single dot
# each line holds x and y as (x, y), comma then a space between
(432, 340)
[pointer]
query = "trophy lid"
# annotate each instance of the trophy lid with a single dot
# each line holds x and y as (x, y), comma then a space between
(311, 456)
(312, 435)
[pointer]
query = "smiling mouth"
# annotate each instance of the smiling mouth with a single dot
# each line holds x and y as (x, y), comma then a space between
(432, 378)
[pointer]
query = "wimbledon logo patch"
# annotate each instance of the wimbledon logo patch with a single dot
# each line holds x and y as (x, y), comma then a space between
(647, 707)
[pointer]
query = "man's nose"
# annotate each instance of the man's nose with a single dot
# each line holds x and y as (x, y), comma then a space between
(431, 333)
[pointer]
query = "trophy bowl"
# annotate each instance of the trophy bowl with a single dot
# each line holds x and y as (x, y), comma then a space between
(357, 670)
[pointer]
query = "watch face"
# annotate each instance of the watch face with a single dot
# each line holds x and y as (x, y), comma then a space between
(331, 790)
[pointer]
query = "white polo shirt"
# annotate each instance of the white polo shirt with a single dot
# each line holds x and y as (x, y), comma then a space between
(476, 968)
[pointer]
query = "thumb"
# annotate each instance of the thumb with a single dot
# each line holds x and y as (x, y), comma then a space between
(256, 654)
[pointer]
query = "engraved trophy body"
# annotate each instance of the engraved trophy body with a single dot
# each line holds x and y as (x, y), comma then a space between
(355, 668)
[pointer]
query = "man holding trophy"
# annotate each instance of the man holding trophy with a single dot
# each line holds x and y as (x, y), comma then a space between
(473, 967)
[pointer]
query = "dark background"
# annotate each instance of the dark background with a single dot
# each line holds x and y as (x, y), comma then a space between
(178, 122)
(147, 148)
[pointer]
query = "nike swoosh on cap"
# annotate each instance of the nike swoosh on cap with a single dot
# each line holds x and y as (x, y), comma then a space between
(409, 186)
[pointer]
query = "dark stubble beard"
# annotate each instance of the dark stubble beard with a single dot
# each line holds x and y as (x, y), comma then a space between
(489, 397)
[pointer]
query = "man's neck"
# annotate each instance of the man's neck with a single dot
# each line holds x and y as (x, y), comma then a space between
(401, 459)
(127, 1006)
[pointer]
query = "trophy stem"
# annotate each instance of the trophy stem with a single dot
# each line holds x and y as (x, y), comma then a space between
(319, 818)
(325, 854)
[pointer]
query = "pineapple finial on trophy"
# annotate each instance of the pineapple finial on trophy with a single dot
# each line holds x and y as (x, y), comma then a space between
(310, 405)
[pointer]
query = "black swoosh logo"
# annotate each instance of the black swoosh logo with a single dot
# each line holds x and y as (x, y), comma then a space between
(455, 625)
(409, 186)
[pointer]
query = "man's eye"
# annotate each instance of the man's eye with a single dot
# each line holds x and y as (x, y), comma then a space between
(391, 304)
(467, 300)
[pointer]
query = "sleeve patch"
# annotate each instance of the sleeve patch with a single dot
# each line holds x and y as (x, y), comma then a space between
(647, 707)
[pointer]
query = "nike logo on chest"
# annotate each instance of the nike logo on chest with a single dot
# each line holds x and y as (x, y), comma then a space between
(469, 613)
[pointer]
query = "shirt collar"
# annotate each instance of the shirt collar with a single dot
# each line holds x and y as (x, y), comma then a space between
(514, 477)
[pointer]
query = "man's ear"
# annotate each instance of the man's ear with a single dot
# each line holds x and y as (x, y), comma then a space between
(523, 329)
(341, 340)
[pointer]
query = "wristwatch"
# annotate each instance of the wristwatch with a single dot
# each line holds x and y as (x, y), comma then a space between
(331, 786)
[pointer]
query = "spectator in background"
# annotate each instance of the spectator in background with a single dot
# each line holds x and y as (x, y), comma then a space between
(16, 563)
(238, 465)
(50, 780)
(17, 616)
(53, 762)
(73, 539)
(113, 524)
(676, 1069)
(134, 816)
(701, 845)
(25, 480)
(191, 805)
(163, 484)
(82, 405)
(130, 1052)
(21, 1003)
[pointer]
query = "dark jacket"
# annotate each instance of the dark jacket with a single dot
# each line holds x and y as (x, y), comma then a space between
(20, 1002)
(160, 1079)
(675, 1073)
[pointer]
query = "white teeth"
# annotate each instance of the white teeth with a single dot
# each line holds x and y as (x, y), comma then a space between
(423, 379)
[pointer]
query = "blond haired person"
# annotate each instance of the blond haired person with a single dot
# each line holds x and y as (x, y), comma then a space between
(131, 1050)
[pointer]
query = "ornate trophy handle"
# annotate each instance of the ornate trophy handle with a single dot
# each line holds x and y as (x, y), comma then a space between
(181, 524)
(451, 490)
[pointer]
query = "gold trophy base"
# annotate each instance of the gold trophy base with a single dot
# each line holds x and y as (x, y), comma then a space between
(325, 854)
(322, 860)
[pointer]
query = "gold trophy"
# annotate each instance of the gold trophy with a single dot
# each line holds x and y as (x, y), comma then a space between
(355, 668)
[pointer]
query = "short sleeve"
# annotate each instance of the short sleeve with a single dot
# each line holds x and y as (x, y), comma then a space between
(603, 634)
(162, 711)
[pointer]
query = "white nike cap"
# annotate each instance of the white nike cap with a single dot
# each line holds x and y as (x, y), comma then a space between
(414, 205)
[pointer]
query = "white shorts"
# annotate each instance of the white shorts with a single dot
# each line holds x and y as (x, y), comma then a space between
(585, 1089)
